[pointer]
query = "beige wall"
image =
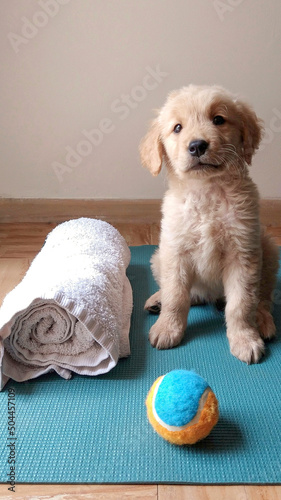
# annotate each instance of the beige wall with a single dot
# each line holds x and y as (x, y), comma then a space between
(79, 79)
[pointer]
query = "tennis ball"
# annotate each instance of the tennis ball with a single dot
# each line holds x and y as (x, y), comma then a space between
(181, 407)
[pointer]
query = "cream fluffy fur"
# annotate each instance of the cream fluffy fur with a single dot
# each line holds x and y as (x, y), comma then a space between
(211, 244)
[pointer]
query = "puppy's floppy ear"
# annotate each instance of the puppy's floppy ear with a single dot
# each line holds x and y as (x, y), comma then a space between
(151, 149)
(251, 128)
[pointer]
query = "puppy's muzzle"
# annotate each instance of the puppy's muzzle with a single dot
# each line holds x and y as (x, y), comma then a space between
(197, 148)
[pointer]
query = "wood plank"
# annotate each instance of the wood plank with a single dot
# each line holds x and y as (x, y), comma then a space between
(140, 492)
(270, 212)
(139, 211)
(23, 239)
(221, 492)
(34, 210)
(79, 492)
(19, 240)
(263, 492)
(276, 233)
(26, 239)
(11, 273)
(201, 492)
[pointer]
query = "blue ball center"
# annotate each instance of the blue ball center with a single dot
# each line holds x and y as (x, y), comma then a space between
(177, 399)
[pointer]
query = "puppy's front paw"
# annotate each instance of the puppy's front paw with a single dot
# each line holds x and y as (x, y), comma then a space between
(246, 346)
(165, 334)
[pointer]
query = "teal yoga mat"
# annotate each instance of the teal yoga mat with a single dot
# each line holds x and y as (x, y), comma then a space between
(95, 430)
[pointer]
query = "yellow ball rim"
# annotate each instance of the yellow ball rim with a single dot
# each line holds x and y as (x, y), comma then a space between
(190, 435)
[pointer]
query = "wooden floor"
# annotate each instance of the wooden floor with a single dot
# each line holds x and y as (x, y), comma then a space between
(19, 243)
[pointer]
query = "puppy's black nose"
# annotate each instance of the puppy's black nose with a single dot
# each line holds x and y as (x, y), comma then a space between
(198, 147)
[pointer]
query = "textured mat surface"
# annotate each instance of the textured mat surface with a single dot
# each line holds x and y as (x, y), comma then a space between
(96, 430)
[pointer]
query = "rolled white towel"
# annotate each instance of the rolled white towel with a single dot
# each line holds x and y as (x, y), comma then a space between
(72, 310)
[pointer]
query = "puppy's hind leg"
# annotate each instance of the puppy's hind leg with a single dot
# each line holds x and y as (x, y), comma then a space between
(153, 304)
(270, 257)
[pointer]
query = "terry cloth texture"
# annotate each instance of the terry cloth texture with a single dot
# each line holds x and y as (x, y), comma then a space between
(71, 312)
(95, 429)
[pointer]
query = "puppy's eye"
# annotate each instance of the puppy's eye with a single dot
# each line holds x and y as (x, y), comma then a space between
(177, 128)
(218, 120)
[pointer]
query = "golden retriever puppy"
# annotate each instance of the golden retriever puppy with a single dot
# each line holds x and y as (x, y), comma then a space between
(211, 245)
